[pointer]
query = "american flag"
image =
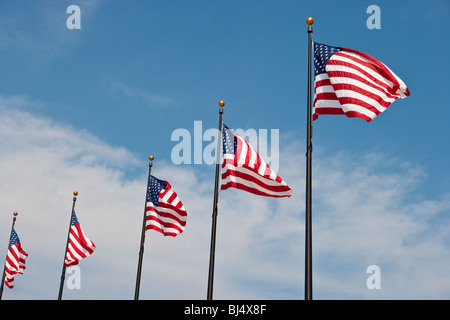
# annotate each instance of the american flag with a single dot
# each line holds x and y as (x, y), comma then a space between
(79, 246)
(165, 212)
(15, 259)
(353, 83)
(243, 168)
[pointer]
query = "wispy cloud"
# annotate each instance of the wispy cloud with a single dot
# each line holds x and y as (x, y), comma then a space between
(19, 102)
(149, 99)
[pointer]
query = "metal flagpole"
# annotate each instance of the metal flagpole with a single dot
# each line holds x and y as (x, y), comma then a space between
(216, 200)
(4, 269)
(144, 222)
(308, 224)
(63, 274)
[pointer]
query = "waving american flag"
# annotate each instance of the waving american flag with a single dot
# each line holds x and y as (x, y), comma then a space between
(165, 212)
(79, 246)
(15, 259)
(352, 83)
(243, 168)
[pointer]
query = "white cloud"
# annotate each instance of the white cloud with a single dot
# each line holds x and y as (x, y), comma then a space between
(367, 213)
(364, 209)
(42, 163)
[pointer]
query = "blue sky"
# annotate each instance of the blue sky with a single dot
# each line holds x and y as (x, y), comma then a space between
(83, 109)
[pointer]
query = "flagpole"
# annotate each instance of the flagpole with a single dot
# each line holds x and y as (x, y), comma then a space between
(144, 222)
(308, 215)
(63, 274)
(4, 269)
(215, 202)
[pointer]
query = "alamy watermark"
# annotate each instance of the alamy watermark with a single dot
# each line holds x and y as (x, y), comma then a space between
(374, 20)
(201, 146)
(74, 20)
(74, 278)
(374, 280)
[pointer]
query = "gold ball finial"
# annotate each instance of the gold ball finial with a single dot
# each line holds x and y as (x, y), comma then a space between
(151, 158)
(15, 213)
(221, 103)
(310, 21)
(75, 193)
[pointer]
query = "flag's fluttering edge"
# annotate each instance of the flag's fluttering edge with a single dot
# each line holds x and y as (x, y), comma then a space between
(15, 259)
(79, 246)
(165, 212)
(243, 168)
(352, 83)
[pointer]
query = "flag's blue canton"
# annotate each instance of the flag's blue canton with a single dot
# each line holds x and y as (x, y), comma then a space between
(14, 238)
(74, 220)
(322, 53)
(154, 190)
(229, 142)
